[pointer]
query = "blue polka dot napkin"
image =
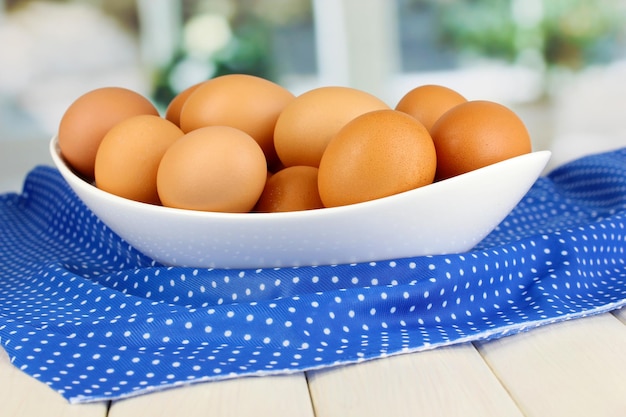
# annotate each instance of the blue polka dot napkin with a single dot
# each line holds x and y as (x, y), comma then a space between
(94, 319)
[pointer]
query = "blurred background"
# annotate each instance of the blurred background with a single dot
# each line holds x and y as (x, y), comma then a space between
(560, 64)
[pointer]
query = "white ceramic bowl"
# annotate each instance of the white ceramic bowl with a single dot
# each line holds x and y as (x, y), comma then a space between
(449, 216)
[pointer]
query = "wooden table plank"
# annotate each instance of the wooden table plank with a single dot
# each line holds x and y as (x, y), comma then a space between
(277, 396)
(621, 314)
(573, 368)
(448, 381)
(24, 396)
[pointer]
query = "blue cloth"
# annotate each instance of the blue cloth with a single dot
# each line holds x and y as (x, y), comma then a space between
(94, 319)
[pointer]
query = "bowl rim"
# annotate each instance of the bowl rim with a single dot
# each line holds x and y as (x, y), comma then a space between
(67, 171)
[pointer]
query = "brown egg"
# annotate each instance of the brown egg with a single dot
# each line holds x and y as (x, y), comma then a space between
(129, 155)
(476, 134)
(376, 155)
(214, 168)
(248, 103)
(309, 122)
(172, 113)
(290, 189)
(428, 102)
(89, 118)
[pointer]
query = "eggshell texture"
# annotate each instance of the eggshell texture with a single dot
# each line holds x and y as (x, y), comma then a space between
(214, 168)
(376, 155)
(308, 123)
(172, 113)
(428, 102)
(129, 155)
(476, 134)
(290, 189)
(249, 103)
(89, 118)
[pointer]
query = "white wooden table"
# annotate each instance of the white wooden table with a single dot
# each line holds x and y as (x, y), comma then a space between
(573, 368)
